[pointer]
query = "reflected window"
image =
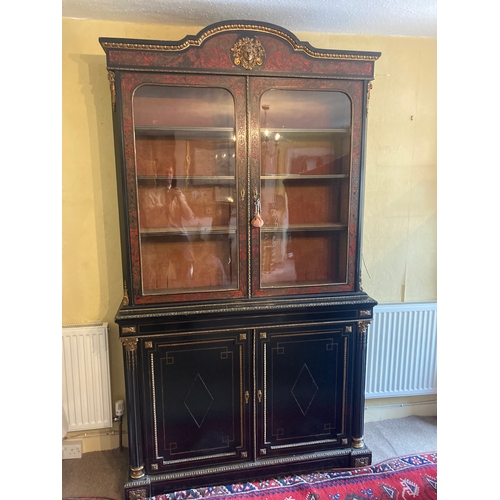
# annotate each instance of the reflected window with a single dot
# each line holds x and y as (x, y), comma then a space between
(305, 183)
(185, 153)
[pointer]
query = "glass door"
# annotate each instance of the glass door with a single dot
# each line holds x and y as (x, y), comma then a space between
(304, 205)
(186, 171)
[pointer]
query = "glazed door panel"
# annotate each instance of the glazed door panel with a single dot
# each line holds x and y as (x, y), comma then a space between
(197, 401)
(306, 144)
(303, 389)
(185, 162)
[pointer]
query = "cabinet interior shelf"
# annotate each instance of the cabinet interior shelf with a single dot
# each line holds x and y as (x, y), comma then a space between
(271, 132)
(184, 132)
(206, 179)
(173, 291)
(304, 227)
(166, 231)
(170, 231)
(302, 177)
(160, 130)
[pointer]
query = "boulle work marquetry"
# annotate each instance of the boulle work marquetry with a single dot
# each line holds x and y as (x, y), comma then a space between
(240, 163)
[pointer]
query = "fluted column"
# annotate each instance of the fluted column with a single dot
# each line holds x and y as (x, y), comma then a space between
(358, 425)
(136, 457)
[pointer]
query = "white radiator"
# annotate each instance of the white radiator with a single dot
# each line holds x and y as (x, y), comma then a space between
(86, 380)
(401, 350)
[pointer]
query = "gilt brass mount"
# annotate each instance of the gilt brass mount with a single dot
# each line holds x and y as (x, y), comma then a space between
(111, 79)
(125, 301)
(363, 326)
(137, 494)
(130, 344)
(248, 53)
(357, 443)
(361, 462)
(137, 472)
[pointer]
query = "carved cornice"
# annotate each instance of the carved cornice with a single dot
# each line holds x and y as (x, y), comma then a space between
(198, 40)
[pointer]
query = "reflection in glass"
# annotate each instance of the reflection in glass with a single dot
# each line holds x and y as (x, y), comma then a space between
(185, 163)
(305, 180)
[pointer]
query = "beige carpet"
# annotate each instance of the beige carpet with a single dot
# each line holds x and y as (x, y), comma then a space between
(103, 473)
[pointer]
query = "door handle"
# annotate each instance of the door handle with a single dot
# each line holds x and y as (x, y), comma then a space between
(259, 396)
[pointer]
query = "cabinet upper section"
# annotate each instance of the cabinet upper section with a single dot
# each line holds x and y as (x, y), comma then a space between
(239, 165)
(238, 46)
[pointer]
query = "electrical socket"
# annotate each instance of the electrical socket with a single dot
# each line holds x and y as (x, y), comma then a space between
(72, 449)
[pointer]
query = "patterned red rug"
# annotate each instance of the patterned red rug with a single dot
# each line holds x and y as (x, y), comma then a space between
(402, 478)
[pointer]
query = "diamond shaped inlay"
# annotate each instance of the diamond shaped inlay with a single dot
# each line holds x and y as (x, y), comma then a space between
(304, 390)
(198, 400)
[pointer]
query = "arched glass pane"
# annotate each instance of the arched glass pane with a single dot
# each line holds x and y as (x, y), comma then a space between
(186, 181)
(305, 181)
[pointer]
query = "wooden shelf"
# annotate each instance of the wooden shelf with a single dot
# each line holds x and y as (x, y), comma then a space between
(207, 179)
(304, 227)
(189, 231)
(185, 132)
(303, 131)
(302, 177)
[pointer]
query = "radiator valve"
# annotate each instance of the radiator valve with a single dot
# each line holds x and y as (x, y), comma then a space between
(119, 409)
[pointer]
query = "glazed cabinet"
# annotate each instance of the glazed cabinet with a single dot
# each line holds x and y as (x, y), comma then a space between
(240, 159)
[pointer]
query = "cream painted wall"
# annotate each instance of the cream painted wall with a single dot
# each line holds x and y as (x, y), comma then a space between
(400, 216)
(399, 247)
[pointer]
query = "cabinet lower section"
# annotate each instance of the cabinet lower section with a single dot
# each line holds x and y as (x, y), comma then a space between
(216, 398)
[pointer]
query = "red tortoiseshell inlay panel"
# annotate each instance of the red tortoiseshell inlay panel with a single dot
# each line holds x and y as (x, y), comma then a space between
(215, 55)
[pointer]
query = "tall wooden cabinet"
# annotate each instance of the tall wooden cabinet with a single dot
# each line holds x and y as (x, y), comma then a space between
(240, 158)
